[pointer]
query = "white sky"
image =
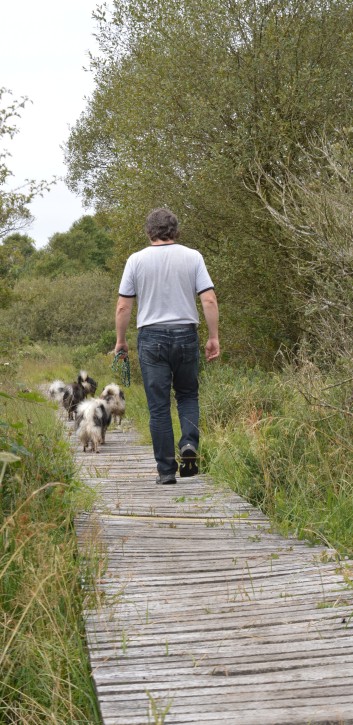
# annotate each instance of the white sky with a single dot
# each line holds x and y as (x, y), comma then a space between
(43, 49)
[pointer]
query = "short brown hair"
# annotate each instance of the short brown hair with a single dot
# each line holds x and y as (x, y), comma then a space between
(162, 224)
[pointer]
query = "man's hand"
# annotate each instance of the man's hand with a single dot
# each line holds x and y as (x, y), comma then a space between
(212, 349)
(121, 345)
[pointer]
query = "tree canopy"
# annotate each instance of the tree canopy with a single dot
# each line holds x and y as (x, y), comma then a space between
(86, 245)
(15, 251)
(190, 100)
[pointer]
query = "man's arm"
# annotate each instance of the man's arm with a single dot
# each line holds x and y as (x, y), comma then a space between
(122, 319)
(210, 310)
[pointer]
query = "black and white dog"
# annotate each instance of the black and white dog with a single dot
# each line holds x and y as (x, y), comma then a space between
(76, 392)
(93, 418)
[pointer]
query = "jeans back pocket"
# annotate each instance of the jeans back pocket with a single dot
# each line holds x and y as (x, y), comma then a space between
(190, 352)
(149, 352)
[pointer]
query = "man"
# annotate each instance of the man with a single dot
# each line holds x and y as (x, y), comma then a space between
(165, 277)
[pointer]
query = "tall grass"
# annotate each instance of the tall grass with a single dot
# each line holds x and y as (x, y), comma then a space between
(285, 442)
(44, 670)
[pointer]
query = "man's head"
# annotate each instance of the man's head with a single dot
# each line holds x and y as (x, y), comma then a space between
(161, 224)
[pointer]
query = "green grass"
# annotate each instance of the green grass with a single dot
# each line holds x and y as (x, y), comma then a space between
(41, 363)
(44, 670)
(291, 458)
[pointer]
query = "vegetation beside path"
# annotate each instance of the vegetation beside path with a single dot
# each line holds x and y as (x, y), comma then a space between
(44, 669)
(281, 439)
(284, 440)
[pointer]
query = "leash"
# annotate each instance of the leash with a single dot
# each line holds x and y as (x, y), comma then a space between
(122, 356)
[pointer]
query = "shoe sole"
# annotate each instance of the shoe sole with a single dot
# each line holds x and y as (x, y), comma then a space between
(188, 466)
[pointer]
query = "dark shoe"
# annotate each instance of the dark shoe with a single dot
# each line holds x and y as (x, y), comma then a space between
(188, 466)
(166, 478)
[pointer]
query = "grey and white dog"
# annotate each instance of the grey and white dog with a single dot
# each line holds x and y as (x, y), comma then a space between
(114, 396)
(93, 418)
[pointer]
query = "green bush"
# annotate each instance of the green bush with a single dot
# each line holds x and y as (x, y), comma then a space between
(107, 341)
(229, 392)
(76, 309)
(83, 355)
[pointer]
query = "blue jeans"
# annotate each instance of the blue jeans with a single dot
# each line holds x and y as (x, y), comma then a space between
(170, 357)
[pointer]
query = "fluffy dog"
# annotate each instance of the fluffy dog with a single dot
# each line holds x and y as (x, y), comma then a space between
(93, 418)
(115, 398)
(87, 383)
(75, 393)
(56, 390)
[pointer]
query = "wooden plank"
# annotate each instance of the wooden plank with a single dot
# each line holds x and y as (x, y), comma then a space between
(205, 607)
(327, 715)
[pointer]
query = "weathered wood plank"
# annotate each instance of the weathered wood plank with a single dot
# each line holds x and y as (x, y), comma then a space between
(205, 607)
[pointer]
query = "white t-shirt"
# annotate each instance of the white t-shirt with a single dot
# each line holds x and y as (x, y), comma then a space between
(165, 279)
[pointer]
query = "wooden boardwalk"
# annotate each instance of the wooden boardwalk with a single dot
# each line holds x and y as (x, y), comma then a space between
(206, 614)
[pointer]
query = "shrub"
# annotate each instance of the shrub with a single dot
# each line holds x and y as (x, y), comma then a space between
(314, 212)
(107, 341)
(76, 309)
(83, 354)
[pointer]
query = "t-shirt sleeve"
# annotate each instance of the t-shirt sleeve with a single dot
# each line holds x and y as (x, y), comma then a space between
(203, 279)
(127, 284)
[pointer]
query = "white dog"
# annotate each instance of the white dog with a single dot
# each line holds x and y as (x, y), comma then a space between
(56, 390)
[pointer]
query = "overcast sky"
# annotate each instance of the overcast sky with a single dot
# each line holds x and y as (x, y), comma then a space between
(43, 49)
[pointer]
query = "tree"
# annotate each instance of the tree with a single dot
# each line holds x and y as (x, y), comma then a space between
(85, 242)
(15, 252)
(14, 211)
(315, 210)
(85, 246)
(189, 98)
